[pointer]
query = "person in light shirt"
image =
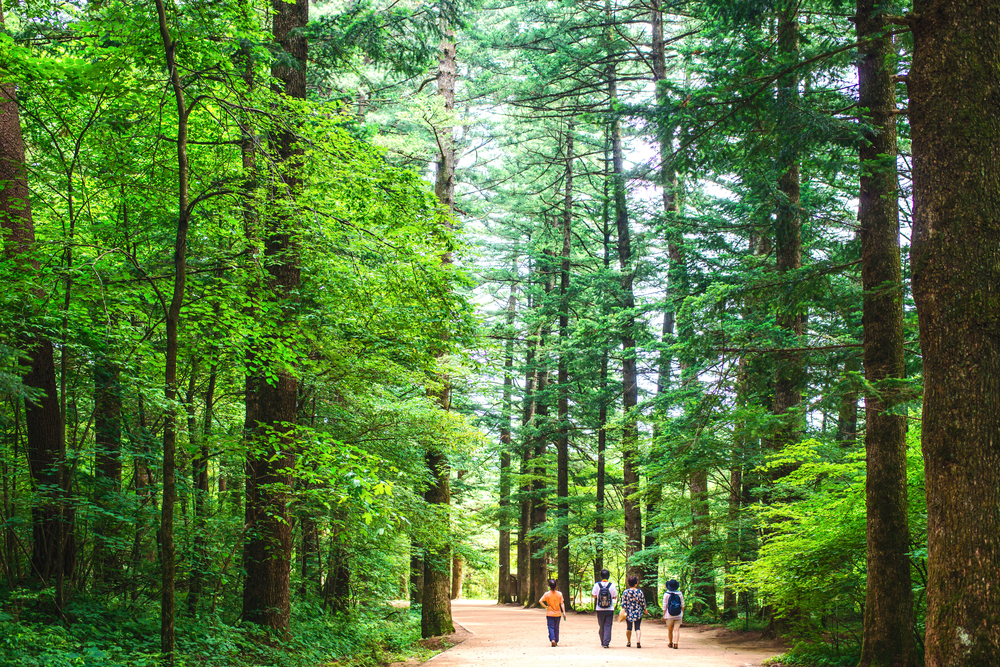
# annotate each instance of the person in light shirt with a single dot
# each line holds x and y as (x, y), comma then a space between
(604, 594)
(673, 612)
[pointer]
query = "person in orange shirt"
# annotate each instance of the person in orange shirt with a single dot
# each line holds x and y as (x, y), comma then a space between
(555, 610)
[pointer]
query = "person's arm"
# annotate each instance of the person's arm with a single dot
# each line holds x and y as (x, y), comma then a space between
(562, 606)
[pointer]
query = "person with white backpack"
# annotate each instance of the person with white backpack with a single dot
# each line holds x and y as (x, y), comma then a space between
(604, 595)
(673, 612)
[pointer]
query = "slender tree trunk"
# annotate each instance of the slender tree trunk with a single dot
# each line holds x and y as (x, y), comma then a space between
(602, 410)
(888, 625)
(847, 415)
(954, 87)
(271, 406)
(107, 472)
(703, 577)
(173, 312)
(50, 561)
(630, 393)
(524, 486)
(503, 594)
(562, 438)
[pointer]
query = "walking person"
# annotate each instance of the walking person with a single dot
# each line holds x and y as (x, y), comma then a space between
(555, 611)
(604, 595)
(673, 612)
(634, 606)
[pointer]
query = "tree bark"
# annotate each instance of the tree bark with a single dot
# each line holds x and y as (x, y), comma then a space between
(562, 437)
(888, 623)
(954, 87)
(172, 317)
(630, 393)
(703, 575)
(271, 407)
(436, 609)
(503, 594)
(51, 560)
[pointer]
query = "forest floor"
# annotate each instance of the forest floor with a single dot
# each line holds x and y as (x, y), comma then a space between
(491, 635)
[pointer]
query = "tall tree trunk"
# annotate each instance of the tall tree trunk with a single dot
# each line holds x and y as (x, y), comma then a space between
(271, 407)
(107, 472)
(436, 609)
(562, 438)
(524, 486)
(954, 87)
(888, 625)
(630, 393)
(51, 526)
(602, 409)
(503, 594)
(172, 317)
(789, 375)
(703, 576)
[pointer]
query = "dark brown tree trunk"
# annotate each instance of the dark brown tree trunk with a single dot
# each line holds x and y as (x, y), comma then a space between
(562, 437)
(436, 608)
(504, 593)
(602, 409)
(271, 406)
(457, 576)
(435, 617)
(630, 393)
(172, 316)
(524, 486)
(703, 575)
(888, 625)
(52, 528)
(107, 472)
(789, 370)
(416, 573)
(847, 414)
(954, 86)
(538, 563)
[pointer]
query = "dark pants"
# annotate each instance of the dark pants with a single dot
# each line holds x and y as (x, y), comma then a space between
(553, 622)
(605, 619)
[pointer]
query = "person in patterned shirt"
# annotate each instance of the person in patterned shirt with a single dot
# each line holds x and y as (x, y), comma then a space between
(634, 606)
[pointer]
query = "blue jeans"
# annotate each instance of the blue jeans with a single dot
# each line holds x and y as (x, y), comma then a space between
(553, 622)
(605, 620)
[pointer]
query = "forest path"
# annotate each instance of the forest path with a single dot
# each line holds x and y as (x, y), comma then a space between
(508, 636)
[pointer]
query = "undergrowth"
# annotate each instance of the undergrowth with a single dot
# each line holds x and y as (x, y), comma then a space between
(94, 635)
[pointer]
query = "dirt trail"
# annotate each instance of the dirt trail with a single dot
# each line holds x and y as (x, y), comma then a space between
(502, 636)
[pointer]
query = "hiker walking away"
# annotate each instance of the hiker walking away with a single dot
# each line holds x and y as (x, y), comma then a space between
(673, 612)
(604, 595)
(634, 606)
(555, 611)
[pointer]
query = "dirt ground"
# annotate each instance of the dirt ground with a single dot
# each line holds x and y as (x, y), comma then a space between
(492, 635)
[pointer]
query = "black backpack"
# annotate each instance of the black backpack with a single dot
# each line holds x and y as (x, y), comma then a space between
(604, 598)
(674, 604)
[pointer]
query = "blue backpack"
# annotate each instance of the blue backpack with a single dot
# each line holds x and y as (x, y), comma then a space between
(674, 604)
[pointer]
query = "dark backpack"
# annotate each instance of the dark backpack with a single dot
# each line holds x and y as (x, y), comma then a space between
(674, 604)
(604, 598)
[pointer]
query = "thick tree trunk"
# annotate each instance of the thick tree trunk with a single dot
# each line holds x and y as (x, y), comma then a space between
(562, 437)
(52, 528)
(271, 407)
(436, 609)
(435, 617)
(954, 87)
(888, 625)
(789, 369)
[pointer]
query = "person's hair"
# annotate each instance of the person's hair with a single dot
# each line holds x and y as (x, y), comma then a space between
(552, 584)
(633, 580)
(605, 574)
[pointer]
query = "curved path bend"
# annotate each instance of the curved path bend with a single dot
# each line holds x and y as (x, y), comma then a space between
(508, 636)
